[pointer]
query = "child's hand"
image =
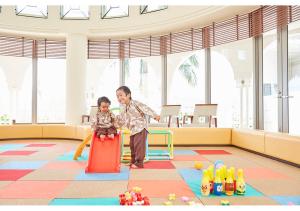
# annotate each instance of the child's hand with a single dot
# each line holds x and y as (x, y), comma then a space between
(157, 118)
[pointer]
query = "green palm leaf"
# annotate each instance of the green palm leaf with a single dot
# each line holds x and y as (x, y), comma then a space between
(188, 70)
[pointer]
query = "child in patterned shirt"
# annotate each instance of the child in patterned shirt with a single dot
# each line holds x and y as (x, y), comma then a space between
(103, 124)
(133, 117)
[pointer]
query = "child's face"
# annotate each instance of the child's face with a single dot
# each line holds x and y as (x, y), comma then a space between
(122, 97)
(104, 107)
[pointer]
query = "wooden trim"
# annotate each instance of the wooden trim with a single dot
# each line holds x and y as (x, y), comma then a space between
(171, 105)
(206, 104)
(268, 156)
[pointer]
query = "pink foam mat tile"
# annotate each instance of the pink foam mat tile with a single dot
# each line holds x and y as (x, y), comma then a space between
(11, 152)
(33, 189)
(40, 145)
(158, 165)
(13, 174)
(263, 173)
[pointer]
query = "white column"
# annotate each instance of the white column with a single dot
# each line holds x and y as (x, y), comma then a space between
(76, 77)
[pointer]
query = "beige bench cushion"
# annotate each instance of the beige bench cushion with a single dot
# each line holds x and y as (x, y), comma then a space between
(249, 139)
(283, 146)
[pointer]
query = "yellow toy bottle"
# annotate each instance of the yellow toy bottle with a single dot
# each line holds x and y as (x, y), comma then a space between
(223, 174)
(232, 169)
(211, 178)
(240, 183)
(229, 189)
(225, 171)
(205, 188)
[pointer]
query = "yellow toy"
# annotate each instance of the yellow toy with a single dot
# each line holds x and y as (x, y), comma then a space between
(229, 185)
(127, 195)
(198, 165)
(205, 186)
(137, 189)
(240, 183)
(82, 145)
(168, 203)
(172, 196)
(225, 202)
(191, 203)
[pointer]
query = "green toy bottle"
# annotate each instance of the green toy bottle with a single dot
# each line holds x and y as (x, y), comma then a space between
(240, 183)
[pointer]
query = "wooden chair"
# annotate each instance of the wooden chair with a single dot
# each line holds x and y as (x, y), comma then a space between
(204, 115)
(86, 119)
(169, 114)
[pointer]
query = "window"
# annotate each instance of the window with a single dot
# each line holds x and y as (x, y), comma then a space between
(109, 11)
(151, 8)
(74, 12)
(232, 83)
(15, 89)
(270, 84)
(186, 80)
(40, 11)
(51, 91)
(294, 76)
(103, 79)
(143, 77)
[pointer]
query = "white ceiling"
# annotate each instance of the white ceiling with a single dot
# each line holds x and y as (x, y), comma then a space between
(173, 19)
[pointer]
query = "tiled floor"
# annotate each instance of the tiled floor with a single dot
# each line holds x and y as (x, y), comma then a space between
(47, 175)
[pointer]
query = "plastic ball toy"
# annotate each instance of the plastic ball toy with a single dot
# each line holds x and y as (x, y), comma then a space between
(198, 165)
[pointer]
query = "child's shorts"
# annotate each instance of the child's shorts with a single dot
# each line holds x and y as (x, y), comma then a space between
(106, 131)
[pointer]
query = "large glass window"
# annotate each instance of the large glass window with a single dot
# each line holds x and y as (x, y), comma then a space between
(232, 83)
(103, 78)
(186, 79)
(109, 11)
(74, 12)
(51, 91)
(15, 89)
(143, 77)
(40, 11)
(294, 77)
(270, 82)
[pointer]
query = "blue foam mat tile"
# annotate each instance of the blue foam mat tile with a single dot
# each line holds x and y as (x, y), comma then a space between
(190, 174)
(23, 164)
(69, 156)
(123, 175)
(193, 179)
(86, 201)
(185, 152)
(287, 200)
(6, 147)
(157, 151)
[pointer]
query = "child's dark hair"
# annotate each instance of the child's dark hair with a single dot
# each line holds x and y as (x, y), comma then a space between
(125, 89)
(103, 99)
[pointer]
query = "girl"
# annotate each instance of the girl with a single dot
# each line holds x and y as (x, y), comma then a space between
(103, 124)
(133, 117)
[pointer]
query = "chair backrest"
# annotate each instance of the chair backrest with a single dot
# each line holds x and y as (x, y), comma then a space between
(169, 110)
(93, 112)
(204, 110)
